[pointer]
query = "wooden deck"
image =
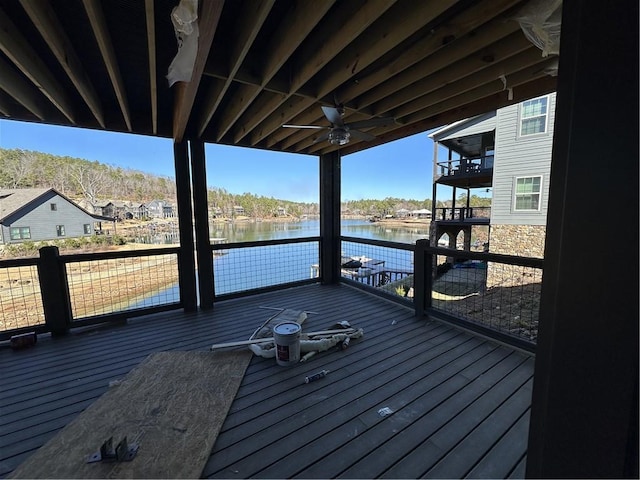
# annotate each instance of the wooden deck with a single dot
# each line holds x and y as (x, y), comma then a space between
(460, 403)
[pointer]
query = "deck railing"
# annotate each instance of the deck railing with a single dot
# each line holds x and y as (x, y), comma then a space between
(467, 166)
(462, 213)
(497, 295)
(245, 268)
(55, 292)
(20, 299)
(386, 267)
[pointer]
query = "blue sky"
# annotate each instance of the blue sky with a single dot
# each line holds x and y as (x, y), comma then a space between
(400, 169)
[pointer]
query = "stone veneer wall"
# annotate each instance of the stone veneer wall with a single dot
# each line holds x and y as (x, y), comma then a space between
(518, 240)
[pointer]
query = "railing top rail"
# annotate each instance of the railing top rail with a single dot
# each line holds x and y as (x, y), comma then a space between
(485, 256)
(18, 262)
(379, 243)
(263, 243)
(84, 257)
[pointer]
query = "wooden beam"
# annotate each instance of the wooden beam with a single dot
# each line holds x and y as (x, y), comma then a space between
(366, 49)
(46, 21)
(22, 91)
(291, 32)
(449, 42)
(5, 107)
(447, 66)
(529, 66)
(415, 110)
(185, 92)
(469, 107)
(316, 52)
(245, 34)
(101, 33)
(17, 48)
(443, 37)
(149, 11)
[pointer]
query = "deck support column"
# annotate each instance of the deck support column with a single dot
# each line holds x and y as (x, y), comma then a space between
(423, 277)
(330, 251)
(201, 216)
(584, 415)
(54, 288)
(186, 262)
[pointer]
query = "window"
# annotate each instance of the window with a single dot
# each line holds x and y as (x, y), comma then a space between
(87, 229)
(533, 116)
(528, 193)
(54, 207)
(60, 230)
(20, 233)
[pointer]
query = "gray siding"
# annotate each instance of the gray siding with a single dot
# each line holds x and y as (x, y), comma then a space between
(517, 156)
(42, 221)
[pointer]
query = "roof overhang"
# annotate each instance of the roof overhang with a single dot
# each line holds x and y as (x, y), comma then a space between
(260, 64)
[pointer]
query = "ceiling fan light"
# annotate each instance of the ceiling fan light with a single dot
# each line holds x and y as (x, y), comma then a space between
(339, 136)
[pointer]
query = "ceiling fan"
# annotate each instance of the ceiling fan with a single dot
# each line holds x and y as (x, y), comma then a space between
(340, 133)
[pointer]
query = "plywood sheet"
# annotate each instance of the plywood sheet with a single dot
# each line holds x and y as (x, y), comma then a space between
(173, 405)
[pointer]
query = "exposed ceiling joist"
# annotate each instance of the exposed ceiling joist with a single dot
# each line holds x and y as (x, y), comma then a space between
(243, 41)
(266, 63)
(316, 53)
(21, 90)
(103, 37)
(362, 53)
(422, 59)
(289, 34)
(18, 49)
(185, 92)
(46, 21)
(149, 11)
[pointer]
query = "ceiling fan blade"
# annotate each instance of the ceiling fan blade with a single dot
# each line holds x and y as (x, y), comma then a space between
(373, 122)
(303, 126)
(333, 115)
(358, 135)
(321, 138)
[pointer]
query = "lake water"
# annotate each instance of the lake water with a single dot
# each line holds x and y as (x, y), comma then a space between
(257, 267)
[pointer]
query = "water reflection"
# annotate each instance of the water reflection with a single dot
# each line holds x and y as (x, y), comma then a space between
(258, 231)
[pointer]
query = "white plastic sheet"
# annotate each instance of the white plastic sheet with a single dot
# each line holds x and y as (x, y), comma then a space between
(185, 23)
(541, 21)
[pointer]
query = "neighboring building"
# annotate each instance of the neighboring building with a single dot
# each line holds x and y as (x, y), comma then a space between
(115, 209)
(37, 214)
(136, 211)
(238, 210)
(160, 209)
(507, 152)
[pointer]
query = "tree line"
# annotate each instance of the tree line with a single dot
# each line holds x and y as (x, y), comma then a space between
(93, 181)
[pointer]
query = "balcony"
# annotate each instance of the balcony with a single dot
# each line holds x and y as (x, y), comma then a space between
(463, 215)
(460, 402)
(474, 172)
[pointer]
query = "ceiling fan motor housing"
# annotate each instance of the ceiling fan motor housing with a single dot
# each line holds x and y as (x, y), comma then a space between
(339, 136)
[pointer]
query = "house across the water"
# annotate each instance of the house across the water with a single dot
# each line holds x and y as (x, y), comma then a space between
(36, 214)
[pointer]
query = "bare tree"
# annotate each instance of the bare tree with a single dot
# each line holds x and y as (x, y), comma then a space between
(91, 178)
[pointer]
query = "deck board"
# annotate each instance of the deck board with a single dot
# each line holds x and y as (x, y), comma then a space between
(460, 401)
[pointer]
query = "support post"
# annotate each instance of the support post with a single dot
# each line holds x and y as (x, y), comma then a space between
(54, 289)
(186, 262)
(201, 216)
(330, 251)
(584, 413)
(422, 277)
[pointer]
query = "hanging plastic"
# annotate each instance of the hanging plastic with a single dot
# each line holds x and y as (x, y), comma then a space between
(540, 21)
(185, 24)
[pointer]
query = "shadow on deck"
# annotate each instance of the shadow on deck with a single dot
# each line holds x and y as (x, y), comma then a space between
(460, 402)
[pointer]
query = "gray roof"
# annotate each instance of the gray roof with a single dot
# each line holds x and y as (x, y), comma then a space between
(12, 200)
